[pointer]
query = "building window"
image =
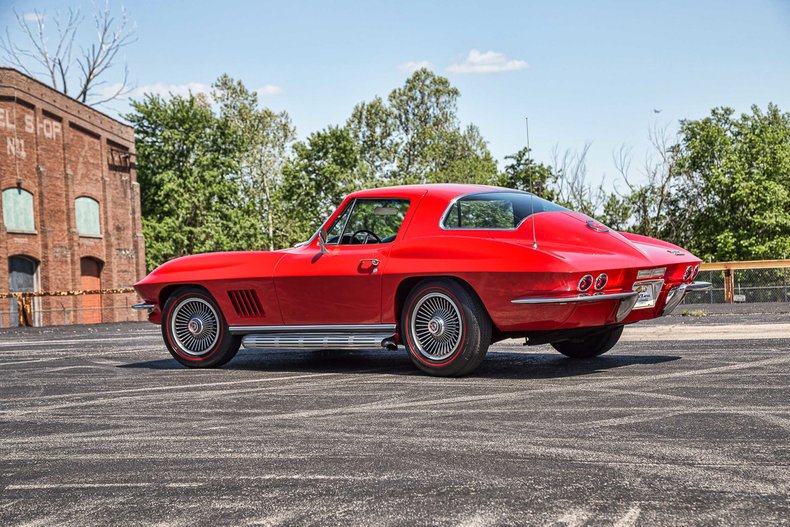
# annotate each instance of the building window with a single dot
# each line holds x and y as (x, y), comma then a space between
(23, 278)
(18, 210)
(87, 213)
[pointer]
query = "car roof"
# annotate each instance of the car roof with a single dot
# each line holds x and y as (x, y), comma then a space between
(447, 191)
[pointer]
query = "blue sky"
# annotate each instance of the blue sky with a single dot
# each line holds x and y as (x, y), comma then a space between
(583, 72)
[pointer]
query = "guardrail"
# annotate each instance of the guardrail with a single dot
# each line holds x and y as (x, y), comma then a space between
(25, 304)
(745, 281)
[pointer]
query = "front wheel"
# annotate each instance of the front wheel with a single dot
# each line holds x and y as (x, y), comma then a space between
(591, 345)
(445, 328)
(195, 331)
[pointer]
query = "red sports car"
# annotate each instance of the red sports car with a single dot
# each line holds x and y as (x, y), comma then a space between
(444, 270)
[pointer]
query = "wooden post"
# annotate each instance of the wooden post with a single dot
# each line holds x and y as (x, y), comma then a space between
(729, 286)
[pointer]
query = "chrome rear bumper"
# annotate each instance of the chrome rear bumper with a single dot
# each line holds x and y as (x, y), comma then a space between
(576, 299)
(626, 300)
(676, 294)
(143, 305)
(698, 286)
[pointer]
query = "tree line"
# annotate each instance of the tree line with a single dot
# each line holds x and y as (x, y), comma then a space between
(220, 171)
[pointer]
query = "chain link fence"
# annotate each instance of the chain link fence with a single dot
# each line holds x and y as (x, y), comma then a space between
(63, 316)
(53, 308)
(750, 285)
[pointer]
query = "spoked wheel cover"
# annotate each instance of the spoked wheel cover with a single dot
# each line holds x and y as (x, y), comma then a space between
(194, 326)
(436, 325)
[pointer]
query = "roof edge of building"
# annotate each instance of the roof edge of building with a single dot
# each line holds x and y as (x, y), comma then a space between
(7, 75)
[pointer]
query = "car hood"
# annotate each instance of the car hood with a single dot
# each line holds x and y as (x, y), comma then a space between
(214, 266)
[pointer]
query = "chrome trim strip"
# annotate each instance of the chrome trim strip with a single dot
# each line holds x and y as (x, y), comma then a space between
(698, 286)
(347, 341)
(143, 305)
(576, 299)
(316, 328)
(345, 223)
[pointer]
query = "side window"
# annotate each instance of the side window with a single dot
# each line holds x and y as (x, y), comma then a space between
(18, 210)
(87, 214)
(374, 221)
(481, 214)
(495, 210)
(334, 232)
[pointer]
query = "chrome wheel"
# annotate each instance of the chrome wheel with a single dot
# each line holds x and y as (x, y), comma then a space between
(194, 326)
(436, 326)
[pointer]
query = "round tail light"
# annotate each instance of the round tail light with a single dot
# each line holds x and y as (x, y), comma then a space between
(600, 282)
(696, 271)
(688, 273)
(586, 282)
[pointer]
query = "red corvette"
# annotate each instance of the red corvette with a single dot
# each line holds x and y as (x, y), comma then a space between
(444, 270)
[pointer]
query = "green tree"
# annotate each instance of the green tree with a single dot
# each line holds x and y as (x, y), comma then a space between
(416, 137)
(324, 168)
(524, 173)
(372, 126)
(616, 212)
(732, 196)
(186, 166)
(265, 139)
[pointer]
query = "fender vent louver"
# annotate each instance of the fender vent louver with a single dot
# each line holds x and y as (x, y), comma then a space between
(246, 303)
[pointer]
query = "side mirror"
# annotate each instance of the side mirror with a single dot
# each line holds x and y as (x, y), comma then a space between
(322, 241)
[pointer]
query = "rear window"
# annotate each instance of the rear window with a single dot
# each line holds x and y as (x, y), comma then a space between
(495, 210)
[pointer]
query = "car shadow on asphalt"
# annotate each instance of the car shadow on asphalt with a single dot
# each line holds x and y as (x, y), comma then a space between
(499, 364)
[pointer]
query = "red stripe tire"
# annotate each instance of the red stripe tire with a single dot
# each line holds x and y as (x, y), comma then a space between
(445, 328)
(194, 330)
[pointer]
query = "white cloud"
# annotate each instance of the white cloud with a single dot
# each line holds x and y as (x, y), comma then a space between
(412, 66)
(164, 90)
(35, 16)
(487, 62)
(269, 90)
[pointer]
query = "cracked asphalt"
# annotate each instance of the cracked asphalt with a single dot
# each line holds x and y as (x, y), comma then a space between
(686, 421)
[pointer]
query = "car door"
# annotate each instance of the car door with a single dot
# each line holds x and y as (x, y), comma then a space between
(342, 285)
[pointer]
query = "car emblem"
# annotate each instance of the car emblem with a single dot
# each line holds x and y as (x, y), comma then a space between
(675, 252)
(597, 226)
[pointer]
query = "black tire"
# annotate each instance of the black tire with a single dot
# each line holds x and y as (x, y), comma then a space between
(213, 346)
(456, 345)
(591, 345)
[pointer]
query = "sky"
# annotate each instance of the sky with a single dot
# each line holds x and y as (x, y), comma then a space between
(599, 73)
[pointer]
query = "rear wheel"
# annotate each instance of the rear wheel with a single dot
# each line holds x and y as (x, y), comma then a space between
(195, 331)
(445, 328)
(591, 345)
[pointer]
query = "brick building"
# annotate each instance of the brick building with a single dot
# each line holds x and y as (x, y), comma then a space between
(70, 206)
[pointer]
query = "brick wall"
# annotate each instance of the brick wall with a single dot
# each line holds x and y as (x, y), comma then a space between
(58, 150)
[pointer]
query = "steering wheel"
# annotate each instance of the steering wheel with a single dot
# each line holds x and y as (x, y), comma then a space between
(368, 234)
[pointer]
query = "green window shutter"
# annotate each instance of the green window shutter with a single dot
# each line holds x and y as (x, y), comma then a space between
(87, 213)
(18, 210)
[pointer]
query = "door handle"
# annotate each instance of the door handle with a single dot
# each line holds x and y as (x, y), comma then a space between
(374, 262)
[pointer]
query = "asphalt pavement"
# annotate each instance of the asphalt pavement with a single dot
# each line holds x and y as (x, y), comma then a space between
(686, 421)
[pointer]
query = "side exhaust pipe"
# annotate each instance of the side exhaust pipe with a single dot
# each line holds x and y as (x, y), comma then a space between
(389, 344)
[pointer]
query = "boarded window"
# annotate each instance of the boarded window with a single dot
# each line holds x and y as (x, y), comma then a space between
(87, 212)
(22, 278)
(90, 278)
(18, 210)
